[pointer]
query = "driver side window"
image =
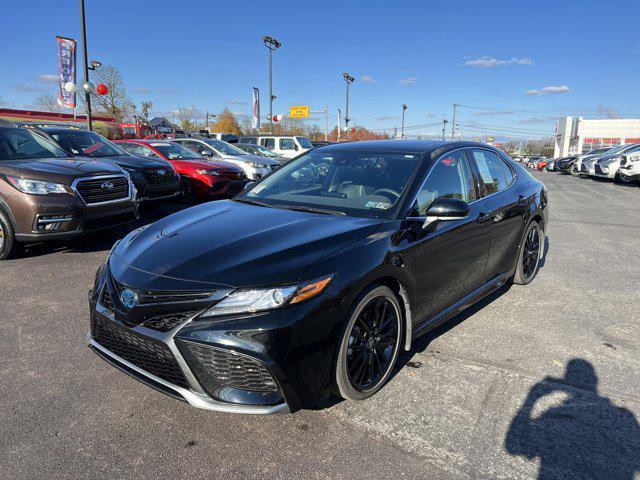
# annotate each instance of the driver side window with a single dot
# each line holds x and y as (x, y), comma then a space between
(450, 177)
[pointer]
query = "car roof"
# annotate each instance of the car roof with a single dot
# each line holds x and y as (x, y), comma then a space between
(423, 146)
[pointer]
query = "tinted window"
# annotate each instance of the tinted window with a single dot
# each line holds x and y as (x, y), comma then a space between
(492, 170)
(135, 149)
(450, 177)
(269, 143)
(173, 151)
(287, 144)
(89, 144)
(304, 142)
(16, 144)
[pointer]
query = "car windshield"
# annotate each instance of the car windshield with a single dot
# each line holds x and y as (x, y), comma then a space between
(224, 147)
(304, 142)
(87, 144)
(173, 151)
(19, 144)
(356, 183)
(265, 151)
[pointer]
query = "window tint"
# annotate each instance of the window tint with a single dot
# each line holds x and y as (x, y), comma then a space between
(287, 144)
(135, 149)
(450, 177)
(494, 174)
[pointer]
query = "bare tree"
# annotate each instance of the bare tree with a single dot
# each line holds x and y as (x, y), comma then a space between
(4, 103)
(47, 103)
(187, 117)
(115, 103)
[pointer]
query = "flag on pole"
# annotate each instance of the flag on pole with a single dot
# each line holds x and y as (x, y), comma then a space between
(66, 70)
(255, 120)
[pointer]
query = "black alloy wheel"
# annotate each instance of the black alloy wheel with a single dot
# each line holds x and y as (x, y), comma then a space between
(370, 345)
(187, 194)
(529, 255)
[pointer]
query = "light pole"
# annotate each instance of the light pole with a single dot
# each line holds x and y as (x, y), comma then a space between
(272, 44)
(404, 107)
(87, 95)
(349, 80)
(453, 123)
(444, 126)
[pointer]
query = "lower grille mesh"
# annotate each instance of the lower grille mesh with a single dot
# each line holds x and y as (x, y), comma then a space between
(224, 368)
(152, 356)
(164, 323)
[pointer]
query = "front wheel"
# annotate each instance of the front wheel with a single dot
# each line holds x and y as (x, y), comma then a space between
(529, 255)
(9, 246)
(622, 178)
(370, 344)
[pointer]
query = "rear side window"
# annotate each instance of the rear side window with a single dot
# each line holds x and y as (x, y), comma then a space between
(269, 143)
(494, 173)
(287, 144)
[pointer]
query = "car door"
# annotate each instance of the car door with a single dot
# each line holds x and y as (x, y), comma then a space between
(448, 256)
(503, 209)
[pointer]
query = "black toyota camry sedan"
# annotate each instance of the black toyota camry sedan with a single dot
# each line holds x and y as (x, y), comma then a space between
(311, 281)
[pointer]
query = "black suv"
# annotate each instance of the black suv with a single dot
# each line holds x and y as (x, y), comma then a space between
(154, 179)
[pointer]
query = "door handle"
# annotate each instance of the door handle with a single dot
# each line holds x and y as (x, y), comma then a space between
(483, 217)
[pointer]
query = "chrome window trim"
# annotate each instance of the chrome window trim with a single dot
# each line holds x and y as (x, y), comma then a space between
(100, 177)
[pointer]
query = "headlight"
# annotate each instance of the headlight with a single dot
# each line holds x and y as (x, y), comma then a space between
(207, 172)
(257, 165)
(259, 299)
(36, 187)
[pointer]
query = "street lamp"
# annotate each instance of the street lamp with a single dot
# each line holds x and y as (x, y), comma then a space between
(272, 44)
(444, 126)
(349, 80)
(404, 107)
(87, 95)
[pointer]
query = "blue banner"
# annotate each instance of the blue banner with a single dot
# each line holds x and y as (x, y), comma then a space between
(66, 70)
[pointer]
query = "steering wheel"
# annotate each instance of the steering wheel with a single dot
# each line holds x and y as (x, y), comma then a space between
(382, 191)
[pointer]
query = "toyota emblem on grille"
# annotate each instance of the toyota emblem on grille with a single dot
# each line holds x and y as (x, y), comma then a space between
(107, 185)
(161, 172)
(128, 298)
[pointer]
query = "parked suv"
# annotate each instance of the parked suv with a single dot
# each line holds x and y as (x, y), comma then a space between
(629, 170)
(607, 166)
(45, 194)
(154, 178)
(286, 145)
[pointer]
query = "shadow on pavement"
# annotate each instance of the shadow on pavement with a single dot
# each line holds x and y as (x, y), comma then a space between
(581, 434)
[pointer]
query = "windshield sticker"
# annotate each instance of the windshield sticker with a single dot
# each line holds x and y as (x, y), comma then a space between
(258, 189)
(378, 205)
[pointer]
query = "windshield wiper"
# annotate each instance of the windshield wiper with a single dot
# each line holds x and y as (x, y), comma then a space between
(301, 208)
(252, 202)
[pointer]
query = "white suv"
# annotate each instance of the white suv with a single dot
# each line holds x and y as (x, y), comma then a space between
(288, 146)
(629, 170)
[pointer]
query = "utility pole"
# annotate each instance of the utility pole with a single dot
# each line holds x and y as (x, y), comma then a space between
(272, 44)
(404, 107)
(444, 126)
(453, 123)
(87, 94)
(339, 123)
(349, 80)
(326, 121)
(395, 132)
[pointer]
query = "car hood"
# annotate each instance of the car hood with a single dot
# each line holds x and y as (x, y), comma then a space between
(252, 158)
(233, 244)
(609, 157)
(59, 170)
(134, 162)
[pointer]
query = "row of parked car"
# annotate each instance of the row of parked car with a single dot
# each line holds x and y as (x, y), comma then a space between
(620, 163)
(60, 182)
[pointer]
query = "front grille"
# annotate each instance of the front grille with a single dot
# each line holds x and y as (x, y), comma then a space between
(598, 169)
(103, 189)
(148, 297)
(233, 174)
(221, 368)
(152, 356)
(164, 323)
(157, 179)
(107, 302)
(583, 168)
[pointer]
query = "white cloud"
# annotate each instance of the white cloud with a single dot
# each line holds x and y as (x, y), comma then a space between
(386, 117)
(408, 81)
(487, 62)
(47, 78)
(368, 79)
(609, 112)
(494, 112)
(551, 90)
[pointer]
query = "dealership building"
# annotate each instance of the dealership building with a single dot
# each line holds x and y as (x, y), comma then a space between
(577, 135)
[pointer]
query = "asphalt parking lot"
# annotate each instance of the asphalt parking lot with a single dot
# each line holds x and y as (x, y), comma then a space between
(541, 381)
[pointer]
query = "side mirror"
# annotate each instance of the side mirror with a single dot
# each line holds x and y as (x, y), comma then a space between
(206, 153)
(248, 185)
(444, 209)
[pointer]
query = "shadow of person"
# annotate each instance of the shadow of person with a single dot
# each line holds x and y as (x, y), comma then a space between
(584, 437)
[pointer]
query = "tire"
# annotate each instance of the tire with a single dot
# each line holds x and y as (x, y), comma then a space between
(622, 179)
(371, 349)
(9, 246)
(574, 171)
(526, 270)
(187, 194)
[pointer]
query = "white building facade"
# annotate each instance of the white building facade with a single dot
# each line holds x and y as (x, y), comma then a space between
(577, 135)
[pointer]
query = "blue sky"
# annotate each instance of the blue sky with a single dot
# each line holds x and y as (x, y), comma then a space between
(528, 61)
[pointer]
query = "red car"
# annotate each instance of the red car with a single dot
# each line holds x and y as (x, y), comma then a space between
(542, 165)
(201, 178)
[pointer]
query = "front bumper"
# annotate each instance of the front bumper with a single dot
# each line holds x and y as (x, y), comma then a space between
(265, 363)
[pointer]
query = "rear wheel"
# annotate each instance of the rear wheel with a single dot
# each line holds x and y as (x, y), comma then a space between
(529, 255)
(370, 344)
(9, 246)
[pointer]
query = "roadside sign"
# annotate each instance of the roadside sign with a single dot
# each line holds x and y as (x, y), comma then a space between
(299, 111)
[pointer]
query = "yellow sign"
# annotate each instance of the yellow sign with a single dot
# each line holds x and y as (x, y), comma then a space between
(299, 111)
